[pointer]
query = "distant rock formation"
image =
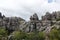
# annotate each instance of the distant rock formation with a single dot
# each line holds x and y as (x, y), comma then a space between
(34, 22)
(47, 22)
(10, 23)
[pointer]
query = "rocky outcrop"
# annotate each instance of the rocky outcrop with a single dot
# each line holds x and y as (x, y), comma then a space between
(10, 23)
(47, 22)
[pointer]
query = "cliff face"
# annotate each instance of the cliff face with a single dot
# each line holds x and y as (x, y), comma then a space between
(46, 23)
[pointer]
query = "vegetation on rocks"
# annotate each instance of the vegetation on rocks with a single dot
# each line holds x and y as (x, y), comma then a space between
(16, 28)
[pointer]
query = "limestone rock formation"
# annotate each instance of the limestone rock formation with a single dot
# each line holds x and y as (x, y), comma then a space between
(10, 23)
(33, 25)
(47, 22)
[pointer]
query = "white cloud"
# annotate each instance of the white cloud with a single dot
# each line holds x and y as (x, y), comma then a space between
(25, 8)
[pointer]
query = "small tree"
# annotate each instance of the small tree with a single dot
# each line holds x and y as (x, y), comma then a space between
(34, 36)
(3, 34)
(30, 36)
(17, 35)
(54, 34)
(41, 36)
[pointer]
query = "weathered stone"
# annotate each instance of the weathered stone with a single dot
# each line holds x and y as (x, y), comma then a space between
(17, 23)
(47, 16)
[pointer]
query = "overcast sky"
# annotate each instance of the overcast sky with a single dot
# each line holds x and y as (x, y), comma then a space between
(26, 8)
